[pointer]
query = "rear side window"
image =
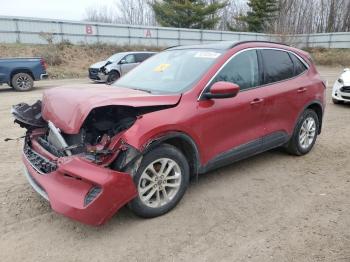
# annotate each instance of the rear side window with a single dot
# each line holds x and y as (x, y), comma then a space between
(142, 57)
(241, 70)
(299, 67)
(278, 66)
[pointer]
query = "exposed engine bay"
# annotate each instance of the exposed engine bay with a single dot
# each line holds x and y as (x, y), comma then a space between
(95, 138)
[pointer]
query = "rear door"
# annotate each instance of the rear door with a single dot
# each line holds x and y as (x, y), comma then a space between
(285, 85)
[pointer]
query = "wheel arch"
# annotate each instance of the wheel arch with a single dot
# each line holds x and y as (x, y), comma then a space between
(184, 143)
(21, 70)
(318, 108)
(115, 70)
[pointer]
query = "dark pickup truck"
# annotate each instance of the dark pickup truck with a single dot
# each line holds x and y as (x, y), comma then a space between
(20, 73)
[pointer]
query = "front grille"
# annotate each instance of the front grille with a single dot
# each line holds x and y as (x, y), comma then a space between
(93, 73)
(346, 97)
(38, 162)
(345, 89)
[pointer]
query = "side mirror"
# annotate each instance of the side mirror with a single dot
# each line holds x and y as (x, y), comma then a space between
(222, 90)
(123, 61)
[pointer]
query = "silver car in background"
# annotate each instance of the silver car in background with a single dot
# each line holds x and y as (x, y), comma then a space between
(117, 65)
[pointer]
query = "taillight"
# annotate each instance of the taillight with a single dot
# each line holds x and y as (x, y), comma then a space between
(43, 63)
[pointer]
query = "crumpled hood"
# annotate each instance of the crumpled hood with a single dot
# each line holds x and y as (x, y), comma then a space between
(98, 64)
(68, 108)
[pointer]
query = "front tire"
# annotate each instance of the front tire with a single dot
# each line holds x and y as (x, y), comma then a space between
(305, 134)
(22, 82)
(112, 77)
(161, 181)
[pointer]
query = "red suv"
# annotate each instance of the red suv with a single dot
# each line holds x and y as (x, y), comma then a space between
(183, 112)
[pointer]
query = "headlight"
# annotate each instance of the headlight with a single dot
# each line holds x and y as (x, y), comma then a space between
(340, 81)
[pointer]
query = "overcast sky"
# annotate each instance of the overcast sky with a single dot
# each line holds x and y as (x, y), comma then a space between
(58, 9)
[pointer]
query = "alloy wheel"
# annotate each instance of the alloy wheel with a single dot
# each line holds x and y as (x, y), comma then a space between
(159, 182)
(307, 133)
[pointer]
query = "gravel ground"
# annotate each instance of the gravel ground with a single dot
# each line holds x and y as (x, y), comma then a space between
(272, 207)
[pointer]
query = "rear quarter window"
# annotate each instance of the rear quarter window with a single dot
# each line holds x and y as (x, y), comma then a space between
(278, 66)
(299, 67)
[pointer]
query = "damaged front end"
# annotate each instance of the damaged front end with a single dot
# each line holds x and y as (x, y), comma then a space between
(86, 176)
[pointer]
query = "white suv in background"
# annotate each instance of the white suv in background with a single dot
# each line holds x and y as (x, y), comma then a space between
(341, 88)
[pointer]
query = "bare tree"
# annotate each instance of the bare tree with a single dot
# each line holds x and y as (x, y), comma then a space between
(294, 16)
(132, 12)
(102, 14)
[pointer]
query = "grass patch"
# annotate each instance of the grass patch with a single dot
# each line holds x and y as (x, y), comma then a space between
(330, 57)
(66, 60)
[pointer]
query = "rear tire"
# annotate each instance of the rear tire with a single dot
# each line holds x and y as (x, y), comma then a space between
(112, 77)
(161, 181)
(305, 134)
(22, 82)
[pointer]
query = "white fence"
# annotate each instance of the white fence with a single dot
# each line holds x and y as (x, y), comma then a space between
(29, 30)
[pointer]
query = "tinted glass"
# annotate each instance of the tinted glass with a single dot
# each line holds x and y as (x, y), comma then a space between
(171, 71)
(141, 57)
(299, 66)
(277, 66)
(241, 70)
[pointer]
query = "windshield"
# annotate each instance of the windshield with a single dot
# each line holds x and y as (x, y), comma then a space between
(115, 57)
(171, 71)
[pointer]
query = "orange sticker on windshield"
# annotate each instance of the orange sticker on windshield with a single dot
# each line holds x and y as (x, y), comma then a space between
(161, 67)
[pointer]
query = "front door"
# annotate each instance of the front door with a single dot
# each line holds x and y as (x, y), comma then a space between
(234, 125)
(128, 63)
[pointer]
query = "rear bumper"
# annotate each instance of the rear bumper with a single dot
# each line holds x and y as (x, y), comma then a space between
(44, 76)
(68, 187)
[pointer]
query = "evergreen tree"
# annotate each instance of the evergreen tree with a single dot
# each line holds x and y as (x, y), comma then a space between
(261, 14)
(187, 13)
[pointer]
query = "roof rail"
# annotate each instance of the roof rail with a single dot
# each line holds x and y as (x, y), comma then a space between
(257, 41)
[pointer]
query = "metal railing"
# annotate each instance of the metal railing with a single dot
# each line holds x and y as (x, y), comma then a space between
(31, 31)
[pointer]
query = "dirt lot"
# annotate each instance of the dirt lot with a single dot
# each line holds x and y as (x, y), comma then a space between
(272, 207)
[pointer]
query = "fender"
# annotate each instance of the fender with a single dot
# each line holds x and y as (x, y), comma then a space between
(313, 102)
(154, 142)
(22, 70)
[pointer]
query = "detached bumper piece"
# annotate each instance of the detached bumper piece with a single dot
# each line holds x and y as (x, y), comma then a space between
(28, 116)
(78, 188)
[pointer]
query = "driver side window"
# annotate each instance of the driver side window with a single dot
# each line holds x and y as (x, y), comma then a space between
(241, 70)
(129, 59)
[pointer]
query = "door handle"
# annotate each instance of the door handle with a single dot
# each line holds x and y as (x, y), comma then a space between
(302, 90)
(256, 101)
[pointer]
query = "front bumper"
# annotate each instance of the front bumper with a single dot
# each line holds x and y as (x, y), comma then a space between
(69, 185)
(341, 96)
(97, 75)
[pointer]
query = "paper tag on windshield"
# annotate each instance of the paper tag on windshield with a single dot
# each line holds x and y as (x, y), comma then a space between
(211, 55)
(161, 67)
